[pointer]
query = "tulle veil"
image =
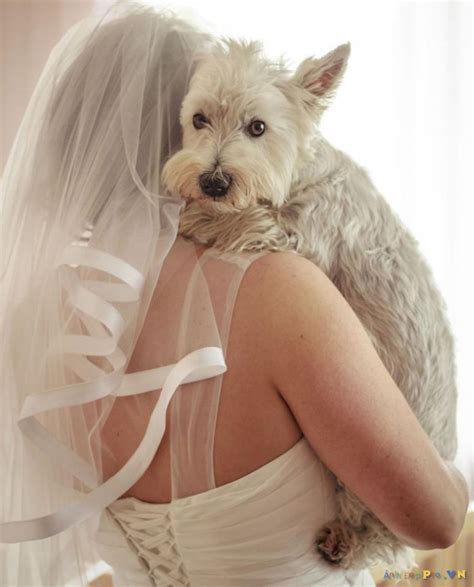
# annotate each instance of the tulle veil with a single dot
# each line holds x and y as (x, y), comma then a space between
(86, 231)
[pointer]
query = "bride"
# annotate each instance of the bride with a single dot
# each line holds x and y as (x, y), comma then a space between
(178, 412)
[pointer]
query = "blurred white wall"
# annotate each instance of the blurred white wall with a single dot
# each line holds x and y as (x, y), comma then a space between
(28, 31)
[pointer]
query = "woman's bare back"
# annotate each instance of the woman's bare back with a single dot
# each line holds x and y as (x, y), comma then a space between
(254, 424)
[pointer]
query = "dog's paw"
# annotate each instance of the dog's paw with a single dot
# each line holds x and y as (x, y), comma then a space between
(332, 546)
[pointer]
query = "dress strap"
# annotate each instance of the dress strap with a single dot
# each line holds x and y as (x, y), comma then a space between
(209, 305)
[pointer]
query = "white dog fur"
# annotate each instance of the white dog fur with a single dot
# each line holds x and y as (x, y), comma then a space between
(291, 190)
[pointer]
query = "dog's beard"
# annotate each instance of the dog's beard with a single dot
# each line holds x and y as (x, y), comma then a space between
(254, 228)
(257, 174)
(237, 199)
(181, 177)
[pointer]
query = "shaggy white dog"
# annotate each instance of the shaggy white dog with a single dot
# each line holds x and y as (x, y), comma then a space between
(257, 174)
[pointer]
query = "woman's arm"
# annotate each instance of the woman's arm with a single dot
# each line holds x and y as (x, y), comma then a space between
(348, 406)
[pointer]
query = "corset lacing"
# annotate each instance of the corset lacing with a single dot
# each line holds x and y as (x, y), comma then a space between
(151, 533)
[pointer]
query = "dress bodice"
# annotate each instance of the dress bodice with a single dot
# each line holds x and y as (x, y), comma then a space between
(257, 530)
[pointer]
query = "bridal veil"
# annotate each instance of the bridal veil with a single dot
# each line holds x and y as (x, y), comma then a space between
(88, 239)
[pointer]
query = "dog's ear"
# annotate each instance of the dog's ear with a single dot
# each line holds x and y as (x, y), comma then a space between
(320, 78)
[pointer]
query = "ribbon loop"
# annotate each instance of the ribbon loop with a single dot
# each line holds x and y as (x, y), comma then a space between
(104, 325)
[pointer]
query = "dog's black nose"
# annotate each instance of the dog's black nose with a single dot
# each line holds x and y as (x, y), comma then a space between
(215, 185)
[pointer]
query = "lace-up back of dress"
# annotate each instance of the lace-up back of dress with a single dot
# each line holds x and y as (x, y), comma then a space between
(151, 535)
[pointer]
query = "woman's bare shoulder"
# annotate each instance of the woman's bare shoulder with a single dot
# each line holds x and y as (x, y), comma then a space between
(276, 261)
(283, 271)
(284, 284)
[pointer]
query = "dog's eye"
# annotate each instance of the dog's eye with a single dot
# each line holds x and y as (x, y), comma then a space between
(199, 120)
(256, 128)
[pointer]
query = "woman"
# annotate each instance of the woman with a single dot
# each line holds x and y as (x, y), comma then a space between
(233, 489)
(304, 386)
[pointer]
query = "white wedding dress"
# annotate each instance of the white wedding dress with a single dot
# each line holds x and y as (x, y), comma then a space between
(257, 530)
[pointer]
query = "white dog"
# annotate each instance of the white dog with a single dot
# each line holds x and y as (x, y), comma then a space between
(257, 174)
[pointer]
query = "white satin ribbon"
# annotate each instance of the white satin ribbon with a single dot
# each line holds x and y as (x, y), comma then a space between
(92, 299)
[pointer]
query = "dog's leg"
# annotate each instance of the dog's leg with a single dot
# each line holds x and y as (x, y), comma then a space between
(356, 539)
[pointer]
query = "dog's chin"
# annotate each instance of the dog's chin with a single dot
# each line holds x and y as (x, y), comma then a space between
(222, 204)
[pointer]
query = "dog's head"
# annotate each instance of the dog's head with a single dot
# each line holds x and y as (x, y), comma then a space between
(247, 124)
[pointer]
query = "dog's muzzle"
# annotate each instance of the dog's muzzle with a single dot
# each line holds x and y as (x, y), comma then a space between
(215, 185)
